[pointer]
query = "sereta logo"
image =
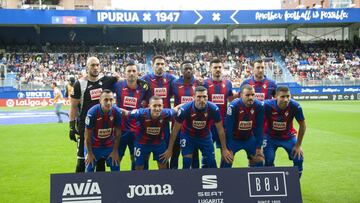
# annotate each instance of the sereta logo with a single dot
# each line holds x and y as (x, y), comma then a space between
(149, 190)
(80, 192)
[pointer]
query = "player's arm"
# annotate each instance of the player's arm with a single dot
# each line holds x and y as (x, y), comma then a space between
(90, 157)
(302, 128)
(168, 153)
(229, 124)
(259, 128)
(114, 154)
(176, 108)
(230, 94)
(56, 97)
(226, 154)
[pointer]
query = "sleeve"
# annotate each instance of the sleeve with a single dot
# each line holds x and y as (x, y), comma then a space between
(136, 113)
(229, 124)
(76, 94)
(216, 113)
(112, 79)
(181, 115)
(230, 88)
(259, 128)
(114, 87)
(90, 119)
(299, 116)
(118, 116)
(169, 114)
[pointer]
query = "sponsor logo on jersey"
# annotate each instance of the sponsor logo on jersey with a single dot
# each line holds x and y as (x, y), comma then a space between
(153, 130)
(95, 94)
(199, 124)
(245, 125)
(186, 99)
(104, 133)
(279, 125)
(218, 98)
(260, 96)
(130, 102)
(161, 92)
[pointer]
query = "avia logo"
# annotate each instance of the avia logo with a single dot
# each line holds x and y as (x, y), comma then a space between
(149, 190)
(209, 181)
(75, 192)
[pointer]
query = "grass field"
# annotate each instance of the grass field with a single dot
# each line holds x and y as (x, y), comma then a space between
(30, 153)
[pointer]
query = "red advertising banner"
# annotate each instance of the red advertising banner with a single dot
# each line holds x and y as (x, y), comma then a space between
(30, 102)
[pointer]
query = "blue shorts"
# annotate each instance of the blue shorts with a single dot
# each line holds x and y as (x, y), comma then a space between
(99, 153)
(270, 146)
(142, 152)
(127, 139)
(248, 145)
(188, 144)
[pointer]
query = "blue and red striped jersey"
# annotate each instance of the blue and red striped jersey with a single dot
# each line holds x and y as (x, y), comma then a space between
(279, 122)
(151, 131)
(129, 99)
(161, 86)
(102, 125)
(218, 92)
(197, 122)
(242, 122)
(183, 92)
(264, 89)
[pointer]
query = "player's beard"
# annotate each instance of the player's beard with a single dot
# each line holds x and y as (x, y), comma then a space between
(159, 72)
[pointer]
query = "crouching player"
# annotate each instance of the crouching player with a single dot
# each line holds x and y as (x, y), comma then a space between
(279, 115)
(195, 119)
(150, 136)
(102, 133)
(244, 127)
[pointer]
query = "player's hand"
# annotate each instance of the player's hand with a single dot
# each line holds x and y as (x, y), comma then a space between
(114, 156)
(259, 156)
(73, 131)
(297, 152)
(227, 155)
(89, 159)
(166, 155)
(201, 80)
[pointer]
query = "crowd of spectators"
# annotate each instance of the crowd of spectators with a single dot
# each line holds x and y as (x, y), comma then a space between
(41, 65)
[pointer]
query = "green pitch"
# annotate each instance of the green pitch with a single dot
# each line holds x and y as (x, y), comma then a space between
(30, 153)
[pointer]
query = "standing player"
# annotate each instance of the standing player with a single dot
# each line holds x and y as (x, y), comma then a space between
(151, 136)
(102, 133)
(86, 94)
(244, 127)
(58, 102)
(264, 87)
(130, 96)
(219, 92)
(183, 90)
(194, 119)
(279, 115)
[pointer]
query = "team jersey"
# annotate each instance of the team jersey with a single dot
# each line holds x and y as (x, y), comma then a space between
(218, 92)
(129, 99)
(242, 122)
(196, 123)
(183, 93)
(161, 86)
(279, 122)
(92, 93)
(151, 131)
(264, 89)
(102, 125)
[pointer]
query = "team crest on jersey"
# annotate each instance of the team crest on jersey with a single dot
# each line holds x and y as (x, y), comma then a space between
(264, 86)
(199, 124)
(111, 118)
(186, 99)
(252, 111)
(205, 114)
(130, 102)
(279, 125)
(245, 125)
(286, 113)
(223, 85)
(161, 92)
(104, 133)
(95, 94)
(229, 111)
(153, 130)
(218, 98)
(164, 80)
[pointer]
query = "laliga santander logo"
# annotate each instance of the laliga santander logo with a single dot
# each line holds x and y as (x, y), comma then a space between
(10, 103)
